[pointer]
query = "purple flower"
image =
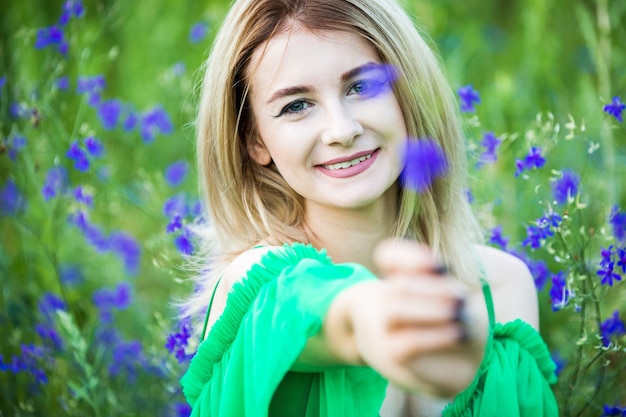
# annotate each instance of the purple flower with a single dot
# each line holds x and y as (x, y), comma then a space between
(48, 332)
(540, 272)
(90, 85)
(63, 83)
(618, 222)
(178, 69)
(174, 224)
(3, 81)
(55, 182)
(613, 411)
(93, 234)
(198, 32)
(611, 327)
(109, 112)
(533, 160)
(155, 121)
(71, 275)
(497, 239)
(94, 147)
(50, 303)
(11, 199)
(608, 275)
(79, 156)
(183, 243)
(559, 293)
(71, 8)
(82, 197)
(566, 187)
(490, 142)
(16, 144)
(19, 110)
(182, 410)
(118, 298)
(52, 35)
(177, 342)
(175, 173)
(126, 248)
(542, 230)
(615, 108)
(127, 357)
(131, 121)
(424, 162)
(468, 97)
(175, 206)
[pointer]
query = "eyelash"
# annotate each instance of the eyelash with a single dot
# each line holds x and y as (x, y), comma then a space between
(373, 86)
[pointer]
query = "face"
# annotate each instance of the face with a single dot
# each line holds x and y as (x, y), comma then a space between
(327, 117)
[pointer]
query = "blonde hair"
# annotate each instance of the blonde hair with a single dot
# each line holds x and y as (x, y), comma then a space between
(248, 203)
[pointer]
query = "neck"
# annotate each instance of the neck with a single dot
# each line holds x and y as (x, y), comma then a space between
(350, 235)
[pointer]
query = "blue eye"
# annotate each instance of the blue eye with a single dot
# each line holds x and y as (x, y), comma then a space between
(367, 88)
(295, 107)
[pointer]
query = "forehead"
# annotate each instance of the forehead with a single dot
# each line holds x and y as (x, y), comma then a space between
(298, 55)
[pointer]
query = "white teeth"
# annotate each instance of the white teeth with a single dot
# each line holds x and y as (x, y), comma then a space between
(347, 164)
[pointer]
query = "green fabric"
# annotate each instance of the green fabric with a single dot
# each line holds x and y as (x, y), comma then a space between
(243, 367)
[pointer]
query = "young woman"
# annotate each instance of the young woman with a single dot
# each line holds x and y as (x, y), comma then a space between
(327, 293)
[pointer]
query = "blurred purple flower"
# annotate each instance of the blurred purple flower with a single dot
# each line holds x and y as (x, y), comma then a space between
(615, 108)
(48, 332)
(468, 97)
(606, 268)
(566, 187)
(617, 220)
(127, 357)
(55, 182)
(540, 272)
(613, 411)
(63, 83)
(109, 112)
(183, 243)
(93, 235)
(3, 81)
(490, 142)
(79, 156)
(541, 230)
(155, 121)
(12, 201)
(174, 224)
(19, 110)
(131, 121)
(198, 32)
(424, 162)
(497, 239)
(182, 410)
(94, 147)
(92, 86)
(533, 160)
(49, 303)
(52, 35)
(71, 275)
(179, 69)
(177, 342)
(559, 293)
(175, 206)
(175, 173)
(127, 249)
(82, 197)
(29, 361)
(118, 298)
(71, 9)
(611, 327)
(16, 144)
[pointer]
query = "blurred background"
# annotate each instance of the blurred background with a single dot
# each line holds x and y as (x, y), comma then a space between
(98, 188)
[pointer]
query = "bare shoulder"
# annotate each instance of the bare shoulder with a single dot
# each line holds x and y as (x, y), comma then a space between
(232, 274)
(512, 286)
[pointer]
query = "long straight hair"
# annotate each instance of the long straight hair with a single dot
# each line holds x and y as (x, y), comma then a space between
(248, 203)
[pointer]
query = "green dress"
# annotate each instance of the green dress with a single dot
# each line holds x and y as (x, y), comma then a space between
(245, 366)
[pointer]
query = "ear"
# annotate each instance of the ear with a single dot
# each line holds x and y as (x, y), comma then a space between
(258, 152)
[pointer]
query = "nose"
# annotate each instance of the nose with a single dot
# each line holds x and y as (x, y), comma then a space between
(340, 126)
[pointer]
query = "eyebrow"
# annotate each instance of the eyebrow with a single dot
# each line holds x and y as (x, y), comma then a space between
(301, 89)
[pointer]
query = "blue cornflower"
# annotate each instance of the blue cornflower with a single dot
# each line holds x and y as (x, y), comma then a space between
(559, 293)
(618, 221)
(608, 274)
(92, 86)
(613, 411)
(155, 121)
(109, 112)
(497, 239)
(11, 199)
(63, 83)
(55, 182)
(424, 162)
(566, 187)
(490, 142)
(71, 9)
(468, 97)
(94, 147)
(127, 249)
(79, 156)
(175, 206)
(174, 224)
(533, 160)
(175, 173)
(131, 121)
(177, 342)
(615, 108)
(542, 230)
(183, 242)
(198, 32)
(611, 327)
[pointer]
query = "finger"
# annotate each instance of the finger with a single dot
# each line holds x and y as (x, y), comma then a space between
(394, 256)
(408, 343)
(433, 311)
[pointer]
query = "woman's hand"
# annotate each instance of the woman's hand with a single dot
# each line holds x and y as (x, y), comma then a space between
(410, 325)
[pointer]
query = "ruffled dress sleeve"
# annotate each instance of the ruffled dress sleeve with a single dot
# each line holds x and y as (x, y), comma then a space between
(253, 346)
(514, 377)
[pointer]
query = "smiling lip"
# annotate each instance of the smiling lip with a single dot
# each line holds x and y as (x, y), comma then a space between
(352, 165)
